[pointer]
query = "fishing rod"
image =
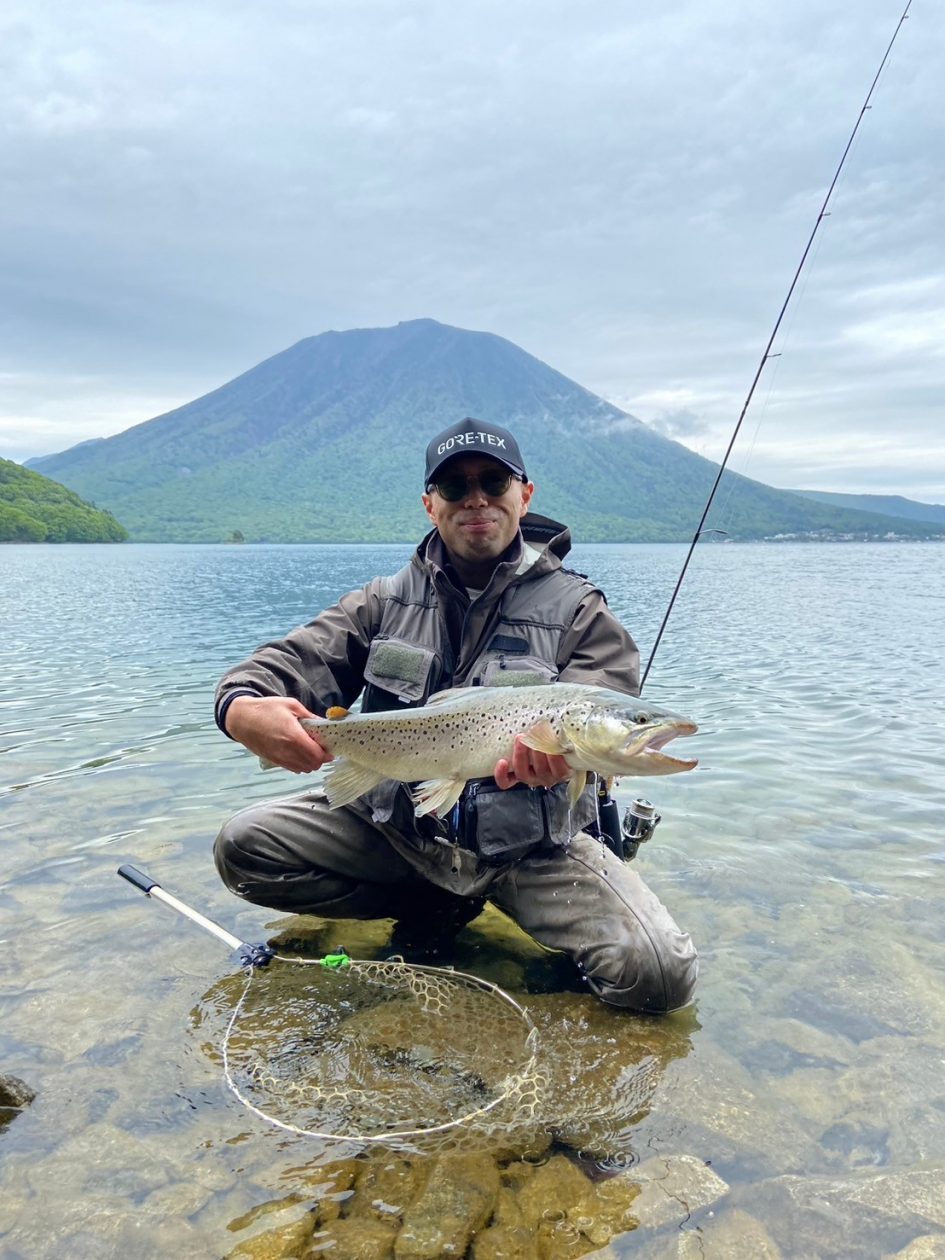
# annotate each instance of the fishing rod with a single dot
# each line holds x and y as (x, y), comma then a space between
(766, 355)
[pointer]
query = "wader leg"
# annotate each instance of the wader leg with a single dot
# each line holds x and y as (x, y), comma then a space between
(587, 903)
(297, 855)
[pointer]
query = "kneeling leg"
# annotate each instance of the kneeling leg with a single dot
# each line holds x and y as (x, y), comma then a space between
(587, 903)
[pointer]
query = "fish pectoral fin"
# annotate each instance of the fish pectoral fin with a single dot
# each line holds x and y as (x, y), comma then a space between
(345, 781)
(336, 713)
(542, 738)
(576, 786)
(437, 796)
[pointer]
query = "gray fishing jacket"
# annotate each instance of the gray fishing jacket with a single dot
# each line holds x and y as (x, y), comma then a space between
(402, 638)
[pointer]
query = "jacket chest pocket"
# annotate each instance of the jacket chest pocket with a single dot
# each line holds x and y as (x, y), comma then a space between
(514, 671)
(401, 670)
(512, 660)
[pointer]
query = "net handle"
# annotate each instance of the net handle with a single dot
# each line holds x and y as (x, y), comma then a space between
(251, 955)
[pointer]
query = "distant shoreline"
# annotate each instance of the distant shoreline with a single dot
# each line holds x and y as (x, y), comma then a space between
(576, 542)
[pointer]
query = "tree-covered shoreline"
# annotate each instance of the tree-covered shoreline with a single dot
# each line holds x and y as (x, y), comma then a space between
(34, 509)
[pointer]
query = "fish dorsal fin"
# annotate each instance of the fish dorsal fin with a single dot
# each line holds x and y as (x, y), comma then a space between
(453, 693)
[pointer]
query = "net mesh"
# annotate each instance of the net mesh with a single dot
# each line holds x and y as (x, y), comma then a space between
(381, 1052)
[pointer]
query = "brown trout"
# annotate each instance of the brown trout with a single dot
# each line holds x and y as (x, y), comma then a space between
(461, 734)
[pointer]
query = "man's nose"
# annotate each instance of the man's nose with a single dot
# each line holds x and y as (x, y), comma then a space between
(475, 495)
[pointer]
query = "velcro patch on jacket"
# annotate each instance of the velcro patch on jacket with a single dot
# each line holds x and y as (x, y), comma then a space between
(516, 678)
(395, 660)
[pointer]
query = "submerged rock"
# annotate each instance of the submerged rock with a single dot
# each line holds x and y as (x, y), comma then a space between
(14, 1093)
(278, 1243)
(673, 1188)
(458, 1199)
(928, 1247)
(354, 1238)
(733, 1236)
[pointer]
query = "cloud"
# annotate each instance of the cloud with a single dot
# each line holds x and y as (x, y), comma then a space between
(43, 414)
(624, 192)
(679, 425)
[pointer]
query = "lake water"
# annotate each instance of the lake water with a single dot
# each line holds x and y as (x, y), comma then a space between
(806, 855)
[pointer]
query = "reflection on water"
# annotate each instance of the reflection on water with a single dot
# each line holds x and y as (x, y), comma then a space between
(805, 855)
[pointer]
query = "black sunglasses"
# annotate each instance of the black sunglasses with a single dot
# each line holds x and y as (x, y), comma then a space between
(456, 487)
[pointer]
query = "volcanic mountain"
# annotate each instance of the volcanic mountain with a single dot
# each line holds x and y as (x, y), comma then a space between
(324, 442)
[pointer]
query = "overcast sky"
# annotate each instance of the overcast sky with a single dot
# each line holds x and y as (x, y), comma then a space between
(622, 189)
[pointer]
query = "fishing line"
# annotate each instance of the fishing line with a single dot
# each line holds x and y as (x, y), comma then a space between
(766, 355)
(382, 1053)
(724, 512)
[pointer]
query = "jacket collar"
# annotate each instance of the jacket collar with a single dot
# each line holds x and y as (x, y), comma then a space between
(550, 538)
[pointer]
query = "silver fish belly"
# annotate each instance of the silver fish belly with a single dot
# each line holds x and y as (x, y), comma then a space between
(460, 735)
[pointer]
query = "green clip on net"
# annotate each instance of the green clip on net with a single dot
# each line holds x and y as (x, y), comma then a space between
(333, 961)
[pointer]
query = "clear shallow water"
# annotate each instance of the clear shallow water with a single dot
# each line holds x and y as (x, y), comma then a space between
(806, 855)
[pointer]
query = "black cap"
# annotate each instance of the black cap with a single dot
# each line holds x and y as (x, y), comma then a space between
(473, 437)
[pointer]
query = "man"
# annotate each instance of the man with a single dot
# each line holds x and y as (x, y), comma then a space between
(483, 601)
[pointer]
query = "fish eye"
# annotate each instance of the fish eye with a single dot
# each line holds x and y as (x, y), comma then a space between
(641, 719)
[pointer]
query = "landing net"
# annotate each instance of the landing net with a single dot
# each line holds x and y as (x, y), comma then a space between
(379, 1052)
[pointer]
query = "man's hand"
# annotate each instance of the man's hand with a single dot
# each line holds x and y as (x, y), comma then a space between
(269, 727)
(536, 769)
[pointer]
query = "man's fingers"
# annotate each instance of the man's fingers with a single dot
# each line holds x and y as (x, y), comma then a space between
(537, 769)
(504, 774)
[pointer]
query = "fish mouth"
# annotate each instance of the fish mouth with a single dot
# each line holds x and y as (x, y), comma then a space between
(650, 744)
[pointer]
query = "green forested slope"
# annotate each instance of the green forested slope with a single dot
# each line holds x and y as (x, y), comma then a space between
(324, 442)
(35, 509)
(886, 504)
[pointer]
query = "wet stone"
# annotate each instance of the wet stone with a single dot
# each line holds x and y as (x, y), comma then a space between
(102, 1157)
(505, 1242)
(263, 1210)
(330, 1186)
(278, 1243)
(734, 1235)
(563, 1210)
(458, 1200)
(723, 1113)
(15, 1093)
(385, 1186)
(179, 1199)
(859, 1217)
(358, 1238)
(919, 1192)
(673, 1189)
(928, 1247)
(558, 1183)
(861, 1144)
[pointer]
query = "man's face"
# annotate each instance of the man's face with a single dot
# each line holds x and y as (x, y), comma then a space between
(478, 527)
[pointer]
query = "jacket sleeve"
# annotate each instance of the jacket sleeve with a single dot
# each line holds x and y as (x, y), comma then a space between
(597, 650)
(319, 664)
